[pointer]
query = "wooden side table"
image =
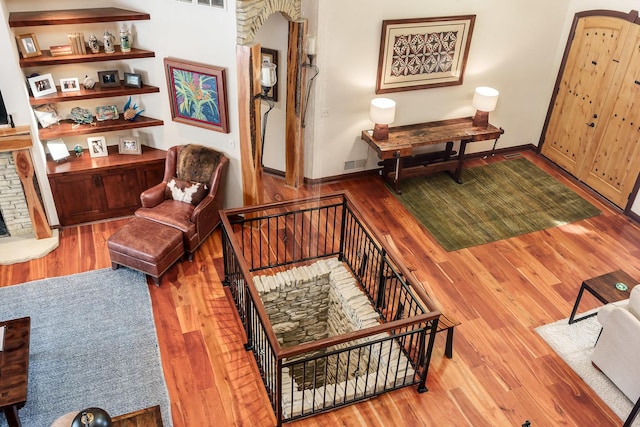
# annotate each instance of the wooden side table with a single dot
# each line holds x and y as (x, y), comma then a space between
(398, 151)
(14, 368)
(604, 289)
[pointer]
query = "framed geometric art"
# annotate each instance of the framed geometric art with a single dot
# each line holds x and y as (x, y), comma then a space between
(197, 94)
(423, 53)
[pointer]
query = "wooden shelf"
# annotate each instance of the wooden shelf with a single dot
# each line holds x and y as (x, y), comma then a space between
(46, 58)
(95, 93)
(74, 16)
(83, 163)
(65, 128)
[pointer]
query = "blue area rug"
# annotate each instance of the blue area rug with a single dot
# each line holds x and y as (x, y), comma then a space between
(93, 343)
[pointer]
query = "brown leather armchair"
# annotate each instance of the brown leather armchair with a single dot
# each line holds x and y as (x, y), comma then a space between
(190, 195)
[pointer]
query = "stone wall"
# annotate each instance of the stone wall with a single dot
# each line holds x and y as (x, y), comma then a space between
(251, 14)
(308, 303)
(13, 203)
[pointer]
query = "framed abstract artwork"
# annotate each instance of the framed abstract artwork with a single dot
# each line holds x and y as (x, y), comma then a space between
(423, 53)
(197, 94)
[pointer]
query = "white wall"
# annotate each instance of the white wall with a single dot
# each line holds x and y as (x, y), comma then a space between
(510, 50)
(516, 47)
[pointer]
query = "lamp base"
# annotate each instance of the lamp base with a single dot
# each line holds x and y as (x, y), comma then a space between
(380, 132)
(481, 119)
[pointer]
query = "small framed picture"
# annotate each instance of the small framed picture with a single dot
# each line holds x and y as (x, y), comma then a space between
(28, 45)
(69, 85)
(107, 112)
(109, 78)
(42, 85)
(97, 146)
(129, 145)
(57, 149)
(132, 80)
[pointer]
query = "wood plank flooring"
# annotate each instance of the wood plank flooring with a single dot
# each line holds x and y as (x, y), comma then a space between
(501, 374)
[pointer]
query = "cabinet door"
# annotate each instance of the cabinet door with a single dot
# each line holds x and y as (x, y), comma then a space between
(121, 191)
(587, 79)
(615, 158)
(77, 197)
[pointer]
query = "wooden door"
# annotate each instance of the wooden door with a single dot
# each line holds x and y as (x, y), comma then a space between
(614, 163)
(77, 198)
(582, 88)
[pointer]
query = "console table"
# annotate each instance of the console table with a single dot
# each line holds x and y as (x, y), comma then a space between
(398, 152)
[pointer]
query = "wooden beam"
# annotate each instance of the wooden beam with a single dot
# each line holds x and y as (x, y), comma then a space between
(248, 59)
(15, 138)
(24, 167)
(296, 79)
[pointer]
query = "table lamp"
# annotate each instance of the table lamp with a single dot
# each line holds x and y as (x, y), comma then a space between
(484, 101)
(382, 112)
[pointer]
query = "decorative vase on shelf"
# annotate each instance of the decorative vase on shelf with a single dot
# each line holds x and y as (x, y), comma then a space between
(88, 82)
(93, 43)
(125, 39)
(108, 42)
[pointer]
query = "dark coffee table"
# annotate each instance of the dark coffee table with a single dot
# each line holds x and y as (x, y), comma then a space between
(148, 417)
(605, 290)
(14, 368)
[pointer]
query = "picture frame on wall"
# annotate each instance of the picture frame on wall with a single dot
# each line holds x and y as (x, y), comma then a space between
(423, 53)
(69, 85)
(270, 56)
(97, 146)
(28, 45)
(42, 85)
(129, 145)
(132, 80)
(110, 78)
(197, 94)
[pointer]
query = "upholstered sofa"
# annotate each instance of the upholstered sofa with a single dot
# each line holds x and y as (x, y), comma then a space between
(617, 352)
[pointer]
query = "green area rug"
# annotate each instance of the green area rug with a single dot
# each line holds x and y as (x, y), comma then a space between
(93, 343)
(494, 202)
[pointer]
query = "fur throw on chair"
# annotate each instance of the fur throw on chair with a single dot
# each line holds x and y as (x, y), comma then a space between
(197, 163)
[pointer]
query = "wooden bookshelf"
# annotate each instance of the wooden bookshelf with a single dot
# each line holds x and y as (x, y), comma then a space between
(74, 16)
(46, 59)
(95, 93)
(66, 127)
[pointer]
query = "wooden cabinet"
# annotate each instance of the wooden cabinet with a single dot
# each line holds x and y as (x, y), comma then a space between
(593, 124)
(90, 189)
(85, 16)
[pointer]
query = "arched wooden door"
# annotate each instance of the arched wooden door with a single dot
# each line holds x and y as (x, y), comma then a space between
(593, 127)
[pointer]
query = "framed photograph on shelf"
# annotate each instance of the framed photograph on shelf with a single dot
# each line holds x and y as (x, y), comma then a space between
(109, 78)
(423, 53)
(107, 112)
(197, 94)
(270, 56)
(97, 146)
(42, 85)
(28, 45)
(69, 85)
(129, 145)
(132, 80)
(47, 115)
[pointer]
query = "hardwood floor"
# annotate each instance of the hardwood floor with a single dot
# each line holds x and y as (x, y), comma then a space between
(501, 374)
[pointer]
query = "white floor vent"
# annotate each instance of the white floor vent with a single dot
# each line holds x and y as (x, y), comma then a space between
(354, 164)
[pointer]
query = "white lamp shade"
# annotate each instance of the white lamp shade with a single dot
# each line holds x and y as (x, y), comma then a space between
(485, 98)
(268, 76)
(382, 111)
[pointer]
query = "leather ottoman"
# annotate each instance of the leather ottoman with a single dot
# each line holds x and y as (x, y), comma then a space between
(146, 246)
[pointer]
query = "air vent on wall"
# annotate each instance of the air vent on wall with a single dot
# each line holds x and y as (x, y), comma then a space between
(354, 164)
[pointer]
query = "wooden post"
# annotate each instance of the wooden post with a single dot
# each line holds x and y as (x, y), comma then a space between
(24, 166)
(18, 141)
(248, 59)
(296, 81)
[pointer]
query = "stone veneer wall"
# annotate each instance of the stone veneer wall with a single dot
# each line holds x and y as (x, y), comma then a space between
(312, 302)
(13, 203)
(251, 14)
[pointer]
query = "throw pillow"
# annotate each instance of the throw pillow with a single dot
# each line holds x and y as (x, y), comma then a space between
(185, 191)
